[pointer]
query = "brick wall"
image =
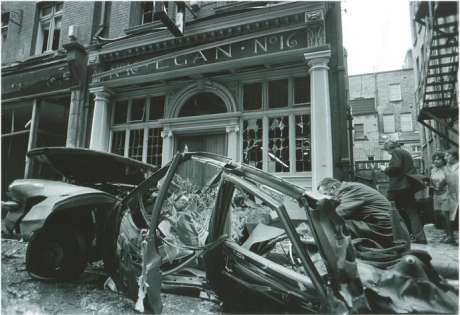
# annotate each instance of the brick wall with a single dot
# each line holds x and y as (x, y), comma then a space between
(20, 43)
(120, 15)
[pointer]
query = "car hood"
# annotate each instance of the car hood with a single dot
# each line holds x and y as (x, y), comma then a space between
(84, 166)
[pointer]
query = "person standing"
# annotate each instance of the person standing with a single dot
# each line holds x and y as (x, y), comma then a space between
(402, 188)
(451, 157)
(440, 193)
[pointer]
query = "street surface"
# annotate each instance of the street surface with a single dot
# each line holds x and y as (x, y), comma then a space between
(23, 295)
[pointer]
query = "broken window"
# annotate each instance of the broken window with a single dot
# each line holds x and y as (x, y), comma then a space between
(136, 141)
(137, 109)
(278, 144)
(252, 142)
(187, 208)
(302, 143)
(155, 146)
(118, 142)
(255, 225)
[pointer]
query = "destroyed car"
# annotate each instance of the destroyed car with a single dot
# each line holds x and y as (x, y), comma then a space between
(63, 220)
(255, 239)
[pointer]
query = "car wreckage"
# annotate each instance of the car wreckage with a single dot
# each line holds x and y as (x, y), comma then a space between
(249, 236)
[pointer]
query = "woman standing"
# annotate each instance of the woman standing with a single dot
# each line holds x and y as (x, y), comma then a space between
(451, 157)
(440, 193)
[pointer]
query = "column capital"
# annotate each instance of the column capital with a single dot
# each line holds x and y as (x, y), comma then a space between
(318, 59)
(166, 133)
(101, 92)
(230, 129)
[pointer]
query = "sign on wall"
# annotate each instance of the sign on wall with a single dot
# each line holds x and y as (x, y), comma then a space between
(212, 54)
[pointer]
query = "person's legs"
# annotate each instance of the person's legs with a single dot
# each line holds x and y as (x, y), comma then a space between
(399, 203)
(405, 203)
(448, 228)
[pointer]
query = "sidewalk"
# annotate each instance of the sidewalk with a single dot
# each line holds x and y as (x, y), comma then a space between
(444, 256)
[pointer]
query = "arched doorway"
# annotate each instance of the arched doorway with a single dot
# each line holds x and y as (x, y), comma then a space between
(202, 104)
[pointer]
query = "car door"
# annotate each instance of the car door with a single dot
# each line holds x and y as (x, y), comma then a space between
(264, 253)
(179, 221)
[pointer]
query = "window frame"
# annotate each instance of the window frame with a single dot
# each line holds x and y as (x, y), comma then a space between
(384, 125)
(6, 25)
(265, 113)
(145, 124)
(49, 19)
(409, 115)
(392, 94)
(357, 136)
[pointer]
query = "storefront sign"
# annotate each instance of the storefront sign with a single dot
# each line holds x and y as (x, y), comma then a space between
(36, 81)
(235, 51)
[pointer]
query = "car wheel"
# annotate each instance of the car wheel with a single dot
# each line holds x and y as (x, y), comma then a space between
(56, 254)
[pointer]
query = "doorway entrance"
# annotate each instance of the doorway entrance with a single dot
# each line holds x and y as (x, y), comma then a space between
(214, 143)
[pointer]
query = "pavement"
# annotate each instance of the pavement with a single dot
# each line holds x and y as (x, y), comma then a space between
(444, 257)
(23, 295)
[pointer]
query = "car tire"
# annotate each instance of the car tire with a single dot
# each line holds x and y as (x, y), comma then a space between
(56, 254)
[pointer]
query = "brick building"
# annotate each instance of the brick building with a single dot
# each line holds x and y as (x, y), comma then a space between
(262, 82)
(383, 107)
(434, 28)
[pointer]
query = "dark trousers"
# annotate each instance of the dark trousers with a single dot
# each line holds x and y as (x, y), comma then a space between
(405, 203)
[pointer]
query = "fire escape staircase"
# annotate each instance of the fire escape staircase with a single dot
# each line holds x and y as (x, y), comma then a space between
(438, 87)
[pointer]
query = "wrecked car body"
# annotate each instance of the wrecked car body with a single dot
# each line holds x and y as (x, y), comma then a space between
(257, 238)
(63, 221)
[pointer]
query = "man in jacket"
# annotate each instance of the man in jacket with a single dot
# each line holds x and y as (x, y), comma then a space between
(402, 188)
(366, 212)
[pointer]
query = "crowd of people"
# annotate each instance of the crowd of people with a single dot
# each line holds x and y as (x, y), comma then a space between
(369, 214)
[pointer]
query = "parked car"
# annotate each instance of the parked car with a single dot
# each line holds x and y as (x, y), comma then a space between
(63, 220)
(260, 241)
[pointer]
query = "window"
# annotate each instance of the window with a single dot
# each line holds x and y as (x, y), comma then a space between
(148, 10)
(5, 22)
(406, 122)
(142, 138)
(277, 140)
(359, 131)
(49, 27)
(157, 107)
(416, 148)
(395, 92)
(137, 110)
(121, 112)
(252, 96)
(302, 90)
(388, 123)
(118, 142)
(370, 158)
(278, 93)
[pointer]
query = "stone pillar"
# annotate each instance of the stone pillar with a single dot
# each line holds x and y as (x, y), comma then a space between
(75, 115)
(232, 142)
(167, 152)
(101, 121)
(321, 126)
(33, 134)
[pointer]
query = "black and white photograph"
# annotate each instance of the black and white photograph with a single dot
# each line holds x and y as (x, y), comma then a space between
(229, 157)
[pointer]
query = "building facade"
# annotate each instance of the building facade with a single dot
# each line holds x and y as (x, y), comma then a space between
(383, 107)
(434, 28)
(263, 83)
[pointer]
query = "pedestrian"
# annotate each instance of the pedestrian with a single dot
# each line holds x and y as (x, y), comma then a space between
(440, 194)
(451, 157)
(366, 212)
(402, 187)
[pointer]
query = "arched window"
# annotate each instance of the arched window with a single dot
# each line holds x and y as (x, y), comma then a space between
(203, 104)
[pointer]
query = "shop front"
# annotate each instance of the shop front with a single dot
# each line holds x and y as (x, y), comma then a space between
(257, 91)
(41, 106)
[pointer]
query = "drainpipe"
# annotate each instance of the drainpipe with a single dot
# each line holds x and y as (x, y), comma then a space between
(101, 26)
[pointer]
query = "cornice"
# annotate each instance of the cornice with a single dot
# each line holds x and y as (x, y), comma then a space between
(199, 32)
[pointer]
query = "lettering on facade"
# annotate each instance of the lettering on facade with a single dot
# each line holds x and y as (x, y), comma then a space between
(273, 43)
